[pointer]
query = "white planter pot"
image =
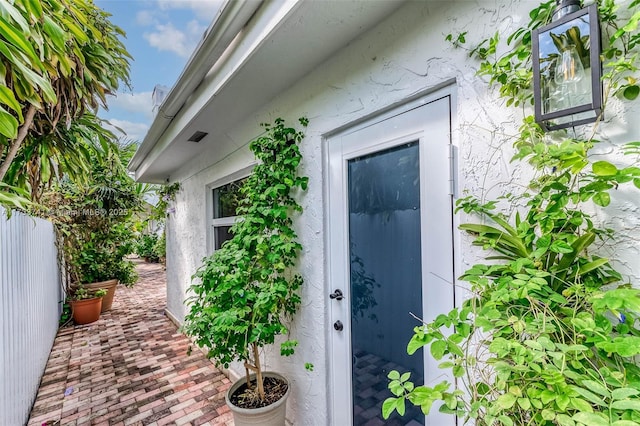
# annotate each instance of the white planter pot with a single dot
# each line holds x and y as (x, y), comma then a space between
(271, 415)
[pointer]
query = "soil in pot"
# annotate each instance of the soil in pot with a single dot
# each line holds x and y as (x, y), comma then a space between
(274, 390)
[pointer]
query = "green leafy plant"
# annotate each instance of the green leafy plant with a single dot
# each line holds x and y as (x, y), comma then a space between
(145, 247)
(65, 316)
(167, 195)
(59, 60)
(548, 335)
(83, 293)
(244, 292)
(94, 219)
(160, 247)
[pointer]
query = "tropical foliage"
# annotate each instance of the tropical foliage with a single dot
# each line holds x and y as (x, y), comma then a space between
(95, 218)
(245, 290)
(58, 61)
(146, 247)
(549, 333)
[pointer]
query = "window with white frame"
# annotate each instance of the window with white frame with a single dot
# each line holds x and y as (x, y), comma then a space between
(226, 199)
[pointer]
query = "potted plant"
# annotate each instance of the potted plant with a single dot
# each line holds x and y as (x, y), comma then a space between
(245, 291)
(93, 219)
(86, 304)
(96, 260)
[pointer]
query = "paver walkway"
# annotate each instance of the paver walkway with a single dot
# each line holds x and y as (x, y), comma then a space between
(130, 368)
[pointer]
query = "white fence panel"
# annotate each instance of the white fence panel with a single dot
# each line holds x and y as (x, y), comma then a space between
(29, 310)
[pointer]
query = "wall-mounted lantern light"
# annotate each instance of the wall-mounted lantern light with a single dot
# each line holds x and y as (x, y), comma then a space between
(566, 67)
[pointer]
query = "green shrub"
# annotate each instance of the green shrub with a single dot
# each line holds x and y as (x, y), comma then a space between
(160, 248)
(145, 247)
(549, 333)
(244, 292)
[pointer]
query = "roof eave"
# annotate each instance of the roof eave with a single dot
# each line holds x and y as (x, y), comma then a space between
(230, 20)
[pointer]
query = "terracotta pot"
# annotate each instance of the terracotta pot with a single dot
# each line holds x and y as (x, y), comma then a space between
(109, 285)
(86, 311)
(271, 415)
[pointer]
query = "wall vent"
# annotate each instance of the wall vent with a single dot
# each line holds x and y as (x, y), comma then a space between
(197, 136)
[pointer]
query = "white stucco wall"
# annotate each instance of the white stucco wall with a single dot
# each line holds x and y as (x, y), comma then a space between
(404, 55)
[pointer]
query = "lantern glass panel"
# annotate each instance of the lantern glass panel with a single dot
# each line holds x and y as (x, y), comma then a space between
(565, 74)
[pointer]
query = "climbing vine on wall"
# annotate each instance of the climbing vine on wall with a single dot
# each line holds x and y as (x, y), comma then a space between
(549, 333)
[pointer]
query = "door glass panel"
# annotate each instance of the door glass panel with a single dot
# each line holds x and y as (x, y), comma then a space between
(386, 277)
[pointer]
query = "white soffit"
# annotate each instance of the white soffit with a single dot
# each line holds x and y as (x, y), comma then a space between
(281, 44)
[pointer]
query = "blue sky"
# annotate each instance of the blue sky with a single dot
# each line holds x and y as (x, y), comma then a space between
(161, 35)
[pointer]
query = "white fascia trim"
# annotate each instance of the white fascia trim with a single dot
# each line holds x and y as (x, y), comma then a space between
(231, 62)
(231, 18)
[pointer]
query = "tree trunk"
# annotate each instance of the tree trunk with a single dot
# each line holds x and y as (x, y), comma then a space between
(14, 147)
(256, 362)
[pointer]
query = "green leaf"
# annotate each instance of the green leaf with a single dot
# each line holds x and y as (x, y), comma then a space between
(626, 346)
(400, 406)
(12, 200)
(17, 39)
(418, 341)
(547, 396)
(37, 80)
(631, 92)
(602, 199)
(604, 168)
(8, 124)
(588, 267)
(564, 420)
(581, 405)
(625, 423)
(622, 393)
(388, 406)
(590, 419)
(627, 404)
(458, 371)
(506, 421)
(588, 395)
(438, 348)
(506, 401)
(9, 9)
(524, 403)
(562, 402)
(596, 387)
(56, 34)
(548, 415)
(8, 98)
(560, 246)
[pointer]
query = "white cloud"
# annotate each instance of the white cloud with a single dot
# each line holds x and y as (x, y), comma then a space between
(167, 37)
(167, 32)
(139, 103)
(206, 9)
(132, 131)
(145, 18)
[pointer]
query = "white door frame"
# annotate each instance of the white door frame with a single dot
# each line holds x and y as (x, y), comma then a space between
(422, 119)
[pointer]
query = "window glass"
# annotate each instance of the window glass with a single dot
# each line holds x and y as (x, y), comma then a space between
(226, 199)
(220, 235)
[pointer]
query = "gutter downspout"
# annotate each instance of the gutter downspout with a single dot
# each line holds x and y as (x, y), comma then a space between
(232, 17)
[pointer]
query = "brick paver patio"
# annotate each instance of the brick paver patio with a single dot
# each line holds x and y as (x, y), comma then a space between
(130, 368)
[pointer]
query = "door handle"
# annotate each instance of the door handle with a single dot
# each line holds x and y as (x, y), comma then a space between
(338, 325)
(337, 294)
